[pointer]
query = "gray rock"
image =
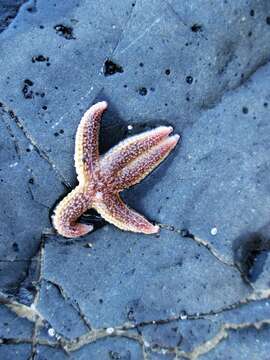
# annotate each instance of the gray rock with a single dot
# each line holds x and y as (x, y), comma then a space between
(20, 352)
(60, 311)
(157, 356)
(246, 344)
(8, 10)
(13, 326)
(109, 349)
(140, 278)
(262, 272)
(195, 65)
(29, 188)
(188, 335)
(222, 167)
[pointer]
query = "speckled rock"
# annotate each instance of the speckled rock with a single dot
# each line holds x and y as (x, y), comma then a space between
(110, 349)
(20, 352)
(141, 278)
(29, 187)
(200, 66)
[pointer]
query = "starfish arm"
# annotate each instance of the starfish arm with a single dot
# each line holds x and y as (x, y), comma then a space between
(128, 150)
(86, 145)
(68, 211)
(137, 170)
(113, 209)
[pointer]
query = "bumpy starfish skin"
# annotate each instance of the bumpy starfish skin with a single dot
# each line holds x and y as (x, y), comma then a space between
(101, 179)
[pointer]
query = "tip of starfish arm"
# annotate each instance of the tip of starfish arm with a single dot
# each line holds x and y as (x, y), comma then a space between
(153, 229)
(71, 231)
(99, 107)
(175, 138)
(166, 130)
(102, 105)
(77, 230)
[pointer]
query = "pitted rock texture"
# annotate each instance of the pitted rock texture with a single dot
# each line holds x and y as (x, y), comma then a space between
(198, 290)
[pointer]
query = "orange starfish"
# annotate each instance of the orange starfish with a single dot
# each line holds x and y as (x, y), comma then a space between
(101, 179)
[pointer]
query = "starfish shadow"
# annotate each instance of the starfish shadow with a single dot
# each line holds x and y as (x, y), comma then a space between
(250, 252)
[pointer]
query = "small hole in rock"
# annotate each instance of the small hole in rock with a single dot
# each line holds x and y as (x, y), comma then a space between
(143, 91)
(196, 28)
(15, 247)
(245, 110)
(39, 58)
(189, 79)
(65, 31)
(111, 68)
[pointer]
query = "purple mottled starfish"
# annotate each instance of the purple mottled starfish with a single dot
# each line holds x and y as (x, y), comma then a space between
(102, 178)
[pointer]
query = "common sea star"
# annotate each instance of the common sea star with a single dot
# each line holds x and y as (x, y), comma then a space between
(102, 178)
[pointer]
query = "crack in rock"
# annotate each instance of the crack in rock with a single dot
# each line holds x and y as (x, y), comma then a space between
(35, 145)
(70, 301)
(218, 99)
(124, 29)
(95, 335)
(21, 310)
(186, 234)
(126, 330)
(223, 333)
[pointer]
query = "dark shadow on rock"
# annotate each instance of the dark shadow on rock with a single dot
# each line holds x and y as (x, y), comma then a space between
(250, 252)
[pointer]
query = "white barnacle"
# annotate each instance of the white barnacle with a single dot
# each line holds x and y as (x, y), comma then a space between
(51, 332)
(110, 330)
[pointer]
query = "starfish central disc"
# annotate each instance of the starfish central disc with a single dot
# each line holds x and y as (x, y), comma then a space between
(102, 179)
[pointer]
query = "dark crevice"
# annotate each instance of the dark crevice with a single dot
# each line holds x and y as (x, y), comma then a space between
(214, 101)
(251, 251)
(65, 31)
(111, 68)
(9, 10)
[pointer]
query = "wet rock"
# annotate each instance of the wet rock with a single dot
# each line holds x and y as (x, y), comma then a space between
(192, 65)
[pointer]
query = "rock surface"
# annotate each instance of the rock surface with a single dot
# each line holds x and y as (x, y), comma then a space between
(201, 288)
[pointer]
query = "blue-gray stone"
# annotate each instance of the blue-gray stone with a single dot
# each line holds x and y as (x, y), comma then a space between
(60, 312)
(18, 352)
(29, 188)
(200, 66)
(140, 278)
(108, 349)
(11, 326)
(246, 344)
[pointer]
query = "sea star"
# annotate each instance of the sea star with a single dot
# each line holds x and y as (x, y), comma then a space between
(102, 178)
